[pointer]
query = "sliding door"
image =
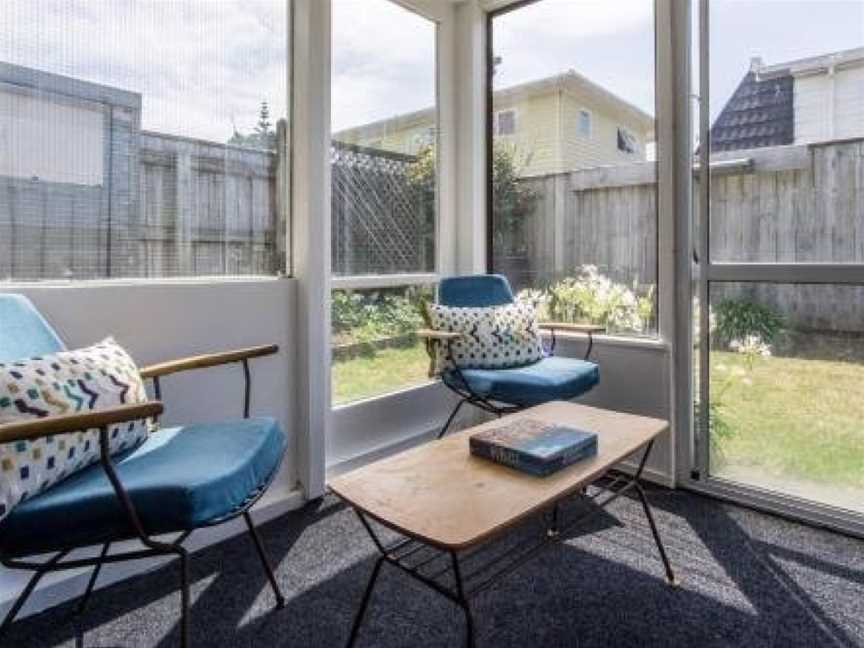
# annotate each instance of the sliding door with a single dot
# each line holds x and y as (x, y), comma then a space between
(780, 293)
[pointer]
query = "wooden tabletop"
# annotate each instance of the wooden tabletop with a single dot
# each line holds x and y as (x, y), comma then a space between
(439, 493)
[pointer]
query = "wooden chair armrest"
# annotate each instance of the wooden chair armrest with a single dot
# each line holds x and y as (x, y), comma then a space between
(52, 425)
(432, 334)
(568, 327)
(207, 360)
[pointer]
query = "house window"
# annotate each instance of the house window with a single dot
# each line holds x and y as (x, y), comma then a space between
(583, 124)
(505, 122)
(119, 159)
(627, 142)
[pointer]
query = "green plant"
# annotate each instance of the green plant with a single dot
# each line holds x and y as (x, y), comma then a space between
(739, 319)
(513, 201)
(594, 298)
(369, 316)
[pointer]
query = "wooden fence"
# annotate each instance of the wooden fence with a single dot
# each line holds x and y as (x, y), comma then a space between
(781, 204)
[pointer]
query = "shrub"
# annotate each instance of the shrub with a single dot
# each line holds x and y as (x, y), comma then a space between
(739, 319)
(591, 297)
(368, 316)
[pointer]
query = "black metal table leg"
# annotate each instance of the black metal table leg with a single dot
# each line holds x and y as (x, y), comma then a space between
(670, 575)
(358, 618)
(463, 600)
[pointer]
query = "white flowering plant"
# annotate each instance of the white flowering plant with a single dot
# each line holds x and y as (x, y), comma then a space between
(591, 297)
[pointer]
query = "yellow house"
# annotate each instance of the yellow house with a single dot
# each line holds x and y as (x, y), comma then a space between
(556, 124)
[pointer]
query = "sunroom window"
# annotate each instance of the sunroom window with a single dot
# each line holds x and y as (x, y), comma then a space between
(143, 140)
(384, 161)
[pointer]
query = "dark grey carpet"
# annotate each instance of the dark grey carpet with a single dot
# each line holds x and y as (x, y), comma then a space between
(746, 580)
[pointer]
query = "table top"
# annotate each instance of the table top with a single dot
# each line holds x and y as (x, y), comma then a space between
(439, 493)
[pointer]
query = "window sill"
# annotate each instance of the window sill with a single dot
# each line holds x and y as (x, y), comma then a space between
(155, 281)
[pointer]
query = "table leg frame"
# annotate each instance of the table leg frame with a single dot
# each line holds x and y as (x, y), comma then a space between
(459, 593)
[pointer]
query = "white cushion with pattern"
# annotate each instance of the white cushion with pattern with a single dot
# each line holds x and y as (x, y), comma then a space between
(493, 337)
(67, 382)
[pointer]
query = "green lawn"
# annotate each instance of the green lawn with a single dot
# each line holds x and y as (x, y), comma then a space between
(379, 372)
(791, 418)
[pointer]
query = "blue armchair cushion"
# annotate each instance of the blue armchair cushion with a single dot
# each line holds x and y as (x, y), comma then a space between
(179, 479)
(552, 378)
(475, 291)
(66, 382)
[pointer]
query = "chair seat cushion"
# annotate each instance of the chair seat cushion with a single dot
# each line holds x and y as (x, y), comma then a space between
(181, 478)
(552, 378)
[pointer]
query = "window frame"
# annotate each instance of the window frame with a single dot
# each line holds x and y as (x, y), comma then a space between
(663, 80)
(497, 128)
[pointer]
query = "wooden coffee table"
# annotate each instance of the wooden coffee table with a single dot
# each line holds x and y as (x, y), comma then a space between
(449, 506)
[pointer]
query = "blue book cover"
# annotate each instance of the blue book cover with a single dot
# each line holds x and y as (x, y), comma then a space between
(533, 446)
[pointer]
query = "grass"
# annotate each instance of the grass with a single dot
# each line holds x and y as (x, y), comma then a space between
(379, 372)
(799, 416)
(791, 417)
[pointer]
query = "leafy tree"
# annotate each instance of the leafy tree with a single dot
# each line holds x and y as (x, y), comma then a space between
(513, 201)
(263, 137)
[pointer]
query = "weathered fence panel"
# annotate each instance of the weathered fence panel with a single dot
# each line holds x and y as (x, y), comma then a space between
(785, 205)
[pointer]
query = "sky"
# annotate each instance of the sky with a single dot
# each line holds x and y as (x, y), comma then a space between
(203, 66)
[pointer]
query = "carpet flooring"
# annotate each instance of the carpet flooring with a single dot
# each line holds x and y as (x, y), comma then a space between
(747, 579)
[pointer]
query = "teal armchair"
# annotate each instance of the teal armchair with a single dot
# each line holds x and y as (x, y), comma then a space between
(179, 480)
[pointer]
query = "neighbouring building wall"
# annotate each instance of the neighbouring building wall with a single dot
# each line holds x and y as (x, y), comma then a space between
(600, 148)
(535, 142)
(829, 106)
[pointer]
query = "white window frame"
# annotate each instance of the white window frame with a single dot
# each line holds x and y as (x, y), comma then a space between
(693, 446)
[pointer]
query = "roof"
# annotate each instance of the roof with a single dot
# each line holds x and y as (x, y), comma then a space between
(570, 81)
(761, 111)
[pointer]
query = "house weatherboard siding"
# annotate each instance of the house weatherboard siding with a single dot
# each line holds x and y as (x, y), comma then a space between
(816, 99)
(546, 137)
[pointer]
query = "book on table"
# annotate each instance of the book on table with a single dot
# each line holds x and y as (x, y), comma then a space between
(533, 446)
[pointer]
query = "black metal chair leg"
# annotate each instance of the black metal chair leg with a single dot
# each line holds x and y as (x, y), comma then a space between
(358, 618)
(27, 591)
(670, 575)
(463, 600)
(82, 604)
(268, 569)
(451, 417)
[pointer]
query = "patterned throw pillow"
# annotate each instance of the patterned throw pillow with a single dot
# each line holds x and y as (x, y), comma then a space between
(495, 337)
(67, 382)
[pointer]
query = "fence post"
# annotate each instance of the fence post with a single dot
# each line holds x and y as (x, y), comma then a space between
(183, 214)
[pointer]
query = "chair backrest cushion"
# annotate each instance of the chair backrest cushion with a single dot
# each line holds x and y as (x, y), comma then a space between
(66, 382)
(475, 291)
(23, 331)
(493, 337)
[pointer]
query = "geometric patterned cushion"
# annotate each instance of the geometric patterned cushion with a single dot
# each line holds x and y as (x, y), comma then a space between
(66, 382)
(493, 337)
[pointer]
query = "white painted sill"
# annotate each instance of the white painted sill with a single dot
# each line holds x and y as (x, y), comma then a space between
(132, 282)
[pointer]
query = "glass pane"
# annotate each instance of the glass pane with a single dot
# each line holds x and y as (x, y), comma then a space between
(787, 389)
(139, 139)
(385, 132)
(788, 106)
(574, 213)
(375, 350)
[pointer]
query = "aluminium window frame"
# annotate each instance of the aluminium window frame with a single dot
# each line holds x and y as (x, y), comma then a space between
(694, 473)
(663, 78)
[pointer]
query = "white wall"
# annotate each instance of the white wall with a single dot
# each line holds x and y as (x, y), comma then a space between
(829, 106)
(158, 321)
